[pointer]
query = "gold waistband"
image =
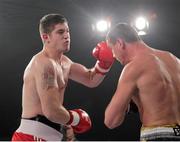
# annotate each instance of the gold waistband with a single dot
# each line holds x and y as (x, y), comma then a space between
(160, 126)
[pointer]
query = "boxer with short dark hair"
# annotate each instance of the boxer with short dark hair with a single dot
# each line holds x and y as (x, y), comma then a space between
(151, 78)
(45, 80)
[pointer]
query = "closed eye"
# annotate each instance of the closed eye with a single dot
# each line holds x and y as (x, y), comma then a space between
(60, 32)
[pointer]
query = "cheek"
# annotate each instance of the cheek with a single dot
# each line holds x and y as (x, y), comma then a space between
(58, 39)
(115, 51)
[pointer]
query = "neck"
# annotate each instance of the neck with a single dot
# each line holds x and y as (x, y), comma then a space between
(52, 52)
(133, 49)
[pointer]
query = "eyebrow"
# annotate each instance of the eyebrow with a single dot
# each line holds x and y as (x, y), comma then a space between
(62, 30)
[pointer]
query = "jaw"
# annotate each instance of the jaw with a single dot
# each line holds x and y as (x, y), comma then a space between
(122, 61)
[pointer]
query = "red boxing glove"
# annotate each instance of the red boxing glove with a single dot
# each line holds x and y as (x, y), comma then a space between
(104, 57)
(79, 120)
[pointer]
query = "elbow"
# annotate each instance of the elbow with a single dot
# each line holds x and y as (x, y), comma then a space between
(113, 122)
(108, 124)
(92, 85)
(48, 114)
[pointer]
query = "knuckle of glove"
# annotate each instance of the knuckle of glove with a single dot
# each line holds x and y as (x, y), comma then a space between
(102, 44)
(84, 124)
(106, 55)
(95, 52)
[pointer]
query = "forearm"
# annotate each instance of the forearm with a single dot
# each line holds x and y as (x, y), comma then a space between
(57, 114)
(113, 121)
(94, 78)
(114, 113)
(52, 108)
(78, 119)
(88, 77)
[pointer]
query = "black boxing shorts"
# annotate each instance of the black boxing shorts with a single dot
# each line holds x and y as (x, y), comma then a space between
(161, 133)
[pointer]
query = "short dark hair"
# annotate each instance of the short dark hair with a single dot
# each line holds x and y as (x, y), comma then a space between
(47, 22)
(123, 31)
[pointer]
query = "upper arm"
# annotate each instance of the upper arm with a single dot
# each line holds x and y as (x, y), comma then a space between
(46, 84)
(45, 77)
(125, 89)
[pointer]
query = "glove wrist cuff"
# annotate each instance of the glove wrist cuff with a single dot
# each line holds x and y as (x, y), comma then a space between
(74, 118)
(100, 69)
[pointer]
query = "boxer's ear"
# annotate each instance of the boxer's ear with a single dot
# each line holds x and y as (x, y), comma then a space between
(44, 36)
(120, 43)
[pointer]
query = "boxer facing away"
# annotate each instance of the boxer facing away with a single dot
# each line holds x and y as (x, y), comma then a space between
(151, 78)
(45, 80)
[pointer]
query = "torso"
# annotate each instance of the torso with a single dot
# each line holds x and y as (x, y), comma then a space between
(158, 90)
(31, 103)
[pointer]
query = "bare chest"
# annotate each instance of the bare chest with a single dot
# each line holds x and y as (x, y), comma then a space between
(62, 72)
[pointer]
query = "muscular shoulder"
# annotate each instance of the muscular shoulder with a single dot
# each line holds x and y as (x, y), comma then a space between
(171, 58)
(39, 63)
(145, 61)
(43, 63)
(66, 60)
(131, 71)
(138, 66)
(32, 67)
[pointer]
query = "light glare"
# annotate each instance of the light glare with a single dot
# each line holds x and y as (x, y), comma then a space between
(141, 23)
(102, 26)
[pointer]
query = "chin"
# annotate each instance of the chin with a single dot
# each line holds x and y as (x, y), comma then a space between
(118, 59)
(66, 49)
(122, 63)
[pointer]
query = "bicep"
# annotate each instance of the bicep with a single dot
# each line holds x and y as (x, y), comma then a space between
(45, 78)
(46, 84)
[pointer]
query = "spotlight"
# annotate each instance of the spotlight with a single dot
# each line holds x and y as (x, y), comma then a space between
(142, 25)
(101, 26)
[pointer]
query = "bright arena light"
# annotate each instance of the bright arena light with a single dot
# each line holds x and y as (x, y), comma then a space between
(141, 24)
(102, 26)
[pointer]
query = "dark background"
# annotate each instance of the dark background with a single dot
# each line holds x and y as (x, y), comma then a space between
(19, 41)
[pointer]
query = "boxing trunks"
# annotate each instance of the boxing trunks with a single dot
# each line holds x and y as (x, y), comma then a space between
(161, 133)
(38, 128)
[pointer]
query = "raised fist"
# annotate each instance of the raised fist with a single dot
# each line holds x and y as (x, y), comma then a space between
(104, 57)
